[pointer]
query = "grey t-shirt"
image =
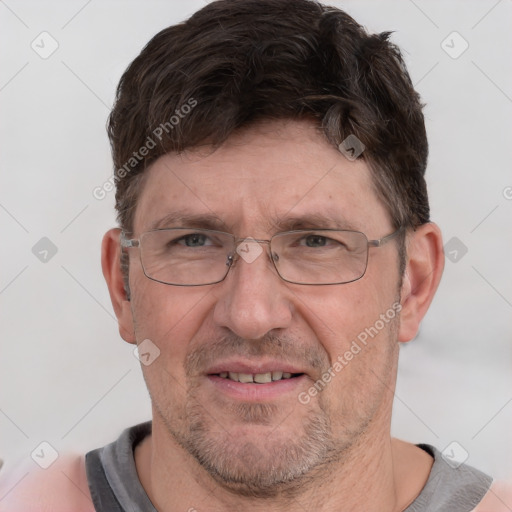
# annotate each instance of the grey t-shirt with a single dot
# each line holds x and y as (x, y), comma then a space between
(115, 486)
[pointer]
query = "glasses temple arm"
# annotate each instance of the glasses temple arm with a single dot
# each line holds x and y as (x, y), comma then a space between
(126, 243)
(385, 239)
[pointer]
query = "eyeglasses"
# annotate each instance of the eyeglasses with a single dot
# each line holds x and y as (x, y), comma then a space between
(198, 257)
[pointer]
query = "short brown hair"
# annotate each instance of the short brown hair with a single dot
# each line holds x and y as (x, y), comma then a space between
(240, 61)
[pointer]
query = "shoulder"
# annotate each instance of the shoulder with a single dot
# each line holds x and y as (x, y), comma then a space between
(464, 486)
(61, 487)
(498, 498)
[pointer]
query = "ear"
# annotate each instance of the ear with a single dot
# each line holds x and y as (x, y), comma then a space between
(424, 267)
(111, 265)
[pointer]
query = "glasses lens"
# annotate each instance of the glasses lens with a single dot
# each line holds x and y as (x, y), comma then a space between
(186, 257)
(320, 257)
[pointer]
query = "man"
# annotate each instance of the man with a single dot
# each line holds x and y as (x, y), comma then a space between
(274, 248)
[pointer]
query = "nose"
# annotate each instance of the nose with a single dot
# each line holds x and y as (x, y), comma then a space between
(253, 300)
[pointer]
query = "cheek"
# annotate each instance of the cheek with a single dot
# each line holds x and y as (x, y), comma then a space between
(356, 325)
(363, 354)
(339, 314)
(168, 315)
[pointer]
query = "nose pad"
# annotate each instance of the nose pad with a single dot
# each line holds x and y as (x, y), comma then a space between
(230, 260)
(249, 249)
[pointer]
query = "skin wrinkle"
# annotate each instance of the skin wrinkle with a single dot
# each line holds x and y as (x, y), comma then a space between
(232, 120)
(240, 454)
(276, 222)
(318, 445)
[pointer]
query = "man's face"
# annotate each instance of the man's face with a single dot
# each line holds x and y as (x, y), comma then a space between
(257, 437)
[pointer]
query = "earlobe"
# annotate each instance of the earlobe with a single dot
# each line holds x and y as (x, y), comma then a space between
(110, 264)
(425, 263)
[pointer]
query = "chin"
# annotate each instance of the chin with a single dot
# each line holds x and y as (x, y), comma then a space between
(256, 456)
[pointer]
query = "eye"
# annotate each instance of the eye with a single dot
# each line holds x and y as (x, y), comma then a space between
(194, 240)
(316, 241)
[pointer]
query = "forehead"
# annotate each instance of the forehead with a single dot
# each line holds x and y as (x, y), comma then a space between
(272, 176)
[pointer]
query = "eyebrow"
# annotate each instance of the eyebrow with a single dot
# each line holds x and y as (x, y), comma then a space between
(275, 224)
(313, 221)
(188, 220)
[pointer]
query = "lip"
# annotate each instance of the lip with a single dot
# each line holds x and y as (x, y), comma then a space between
(255, 392)
(252, 392)
(240, 366)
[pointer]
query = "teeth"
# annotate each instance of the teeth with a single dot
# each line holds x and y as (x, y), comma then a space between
(259, 378)
(263, 378)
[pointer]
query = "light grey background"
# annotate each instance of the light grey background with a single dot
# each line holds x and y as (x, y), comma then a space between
(66, 376)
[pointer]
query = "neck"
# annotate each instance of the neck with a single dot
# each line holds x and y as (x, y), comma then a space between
(376, 473)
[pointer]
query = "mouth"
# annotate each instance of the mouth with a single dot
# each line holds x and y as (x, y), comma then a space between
(256, 382)
(257, 378)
